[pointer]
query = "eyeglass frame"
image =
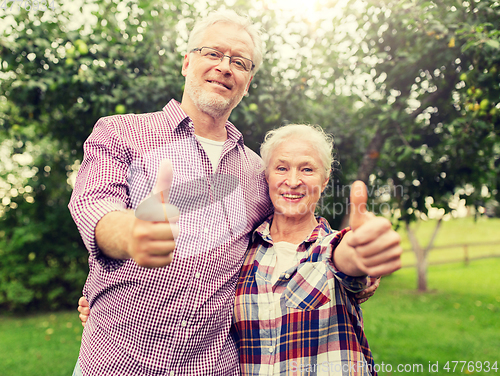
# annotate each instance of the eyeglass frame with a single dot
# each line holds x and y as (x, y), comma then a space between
(198, 49)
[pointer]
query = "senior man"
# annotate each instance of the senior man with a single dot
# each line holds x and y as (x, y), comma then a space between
(149, 318)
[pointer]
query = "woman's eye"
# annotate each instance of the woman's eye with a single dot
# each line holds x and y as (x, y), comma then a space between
(281, 169)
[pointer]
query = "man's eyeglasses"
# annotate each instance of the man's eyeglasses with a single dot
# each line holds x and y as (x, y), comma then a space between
(238, 62)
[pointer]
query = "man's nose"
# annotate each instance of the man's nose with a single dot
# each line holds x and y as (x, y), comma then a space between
(224, 65)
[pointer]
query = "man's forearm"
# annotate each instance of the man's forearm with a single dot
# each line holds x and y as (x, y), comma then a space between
(113, 233)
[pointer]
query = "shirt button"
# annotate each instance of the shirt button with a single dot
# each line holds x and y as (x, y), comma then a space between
(205, 230)
(271, 349)
(197, 275)
(184, 323)
(287, 275)
(172, 373)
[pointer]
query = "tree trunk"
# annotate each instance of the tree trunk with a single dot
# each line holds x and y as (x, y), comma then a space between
(372, 155)
(421, 254)
(421, 271)
(368, 164)
(421, 259)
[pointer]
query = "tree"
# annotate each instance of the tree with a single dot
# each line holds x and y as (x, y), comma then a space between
(436, 116)
(57, 82)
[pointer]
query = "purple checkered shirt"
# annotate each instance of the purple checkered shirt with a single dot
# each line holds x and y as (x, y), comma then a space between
(173, 320)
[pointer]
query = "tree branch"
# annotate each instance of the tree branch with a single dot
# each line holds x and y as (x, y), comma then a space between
(433, 237)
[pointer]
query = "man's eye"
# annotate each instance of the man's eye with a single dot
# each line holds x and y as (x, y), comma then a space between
(239, 63)
(213, 54)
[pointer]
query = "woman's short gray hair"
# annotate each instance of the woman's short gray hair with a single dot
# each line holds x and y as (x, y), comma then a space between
(230, 17)
(314, 134)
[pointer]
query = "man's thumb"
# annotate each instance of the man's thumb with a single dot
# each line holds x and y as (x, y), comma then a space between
(164, 179)
(156, 207)
(357, 210)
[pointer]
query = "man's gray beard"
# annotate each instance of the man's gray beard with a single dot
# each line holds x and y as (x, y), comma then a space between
(209, 103)
(215, 107)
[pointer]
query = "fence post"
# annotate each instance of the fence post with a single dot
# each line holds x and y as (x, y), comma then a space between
(466, 255)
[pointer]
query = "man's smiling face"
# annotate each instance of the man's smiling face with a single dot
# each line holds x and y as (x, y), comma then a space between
(215, 87)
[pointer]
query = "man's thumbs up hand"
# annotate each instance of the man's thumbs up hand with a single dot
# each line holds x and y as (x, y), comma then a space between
(156, 208)
(165, 177)
(376, 244)
(155, 228)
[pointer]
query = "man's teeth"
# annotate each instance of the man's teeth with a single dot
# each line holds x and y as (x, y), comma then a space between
(287, 195)
(218, 83)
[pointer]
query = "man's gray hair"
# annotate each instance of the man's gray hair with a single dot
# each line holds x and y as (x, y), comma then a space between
(230, 17)
(313, 134)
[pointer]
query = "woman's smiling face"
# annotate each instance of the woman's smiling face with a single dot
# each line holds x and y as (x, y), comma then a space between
(296, 178)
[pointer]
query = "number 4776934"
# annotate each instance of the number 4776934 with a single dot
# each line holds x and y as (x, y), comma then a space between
(470, 366)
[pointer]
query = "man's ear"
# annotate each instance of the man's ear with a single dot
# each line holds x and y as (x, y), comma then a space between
(248, 86)
(185, 65)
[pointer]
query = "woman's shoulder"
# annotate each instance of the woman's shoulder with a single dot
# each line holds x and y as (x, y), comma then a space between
(322, 232)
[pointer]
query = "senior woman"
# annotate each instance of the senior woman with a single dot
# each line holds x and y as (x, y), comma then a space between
(295, 310)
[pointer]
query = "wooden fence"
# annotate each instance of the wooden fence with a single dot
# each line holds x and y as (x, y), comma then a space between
(466, 254)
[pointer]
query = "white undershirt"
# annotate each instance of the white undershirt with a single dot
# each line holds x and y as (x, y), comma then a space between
(213, 150)
(286, 257)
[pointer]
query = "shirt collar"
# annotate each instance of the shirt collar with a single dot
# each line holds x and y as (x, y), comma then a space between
(264, 230)
(177, 116)
(234, 134)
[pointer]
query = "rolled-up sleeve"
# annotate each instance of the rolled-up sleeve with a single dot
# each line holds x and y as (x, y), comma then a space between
(101, 185)
(353, 284)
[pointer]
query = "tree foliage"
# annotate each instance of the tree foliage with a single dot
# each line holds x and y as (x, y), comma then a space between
(436, 116)
(57, 82)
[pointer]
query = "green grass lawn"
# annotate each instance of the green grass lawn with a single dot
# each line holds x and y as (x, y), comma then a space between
(457, 320)
(43, 344)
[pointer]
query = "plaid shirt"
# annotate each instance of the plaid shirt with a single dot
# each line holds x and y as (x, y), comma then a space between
(175, 319)
(307, 323)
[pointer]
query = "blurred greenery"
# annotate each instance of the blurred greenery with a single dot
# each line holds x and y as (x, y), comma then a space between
(436, 118)
(410, 90)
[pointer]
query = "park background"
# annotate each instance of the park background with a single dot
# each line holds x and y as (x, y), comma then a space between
(409, 89)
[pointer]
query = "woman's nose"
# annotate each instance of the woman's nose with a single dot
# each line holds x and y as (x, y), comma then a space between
(293, 179)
